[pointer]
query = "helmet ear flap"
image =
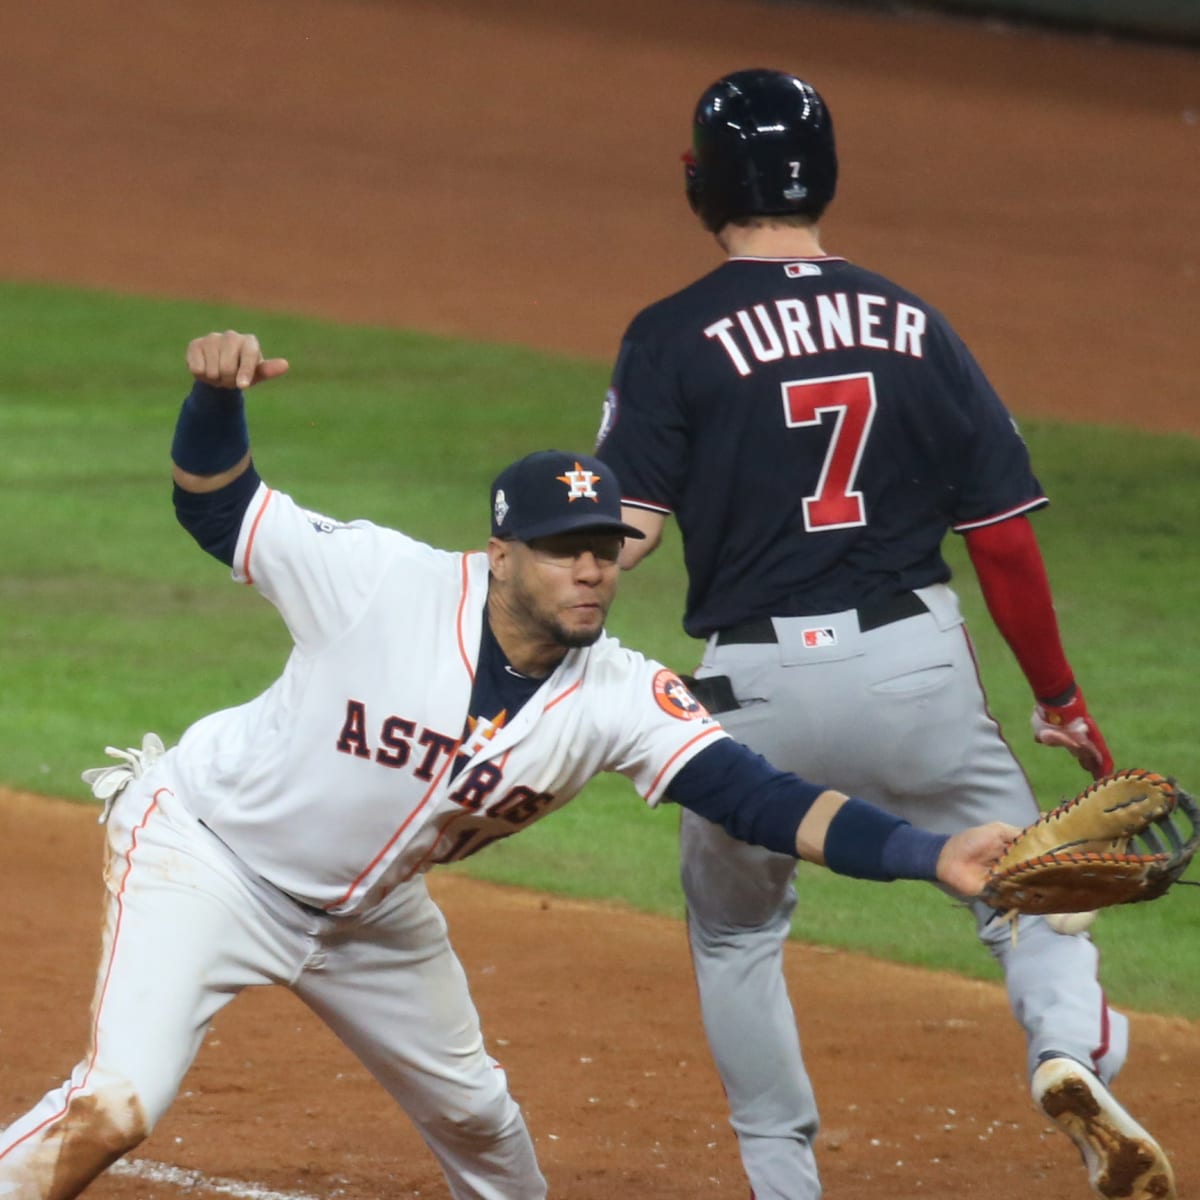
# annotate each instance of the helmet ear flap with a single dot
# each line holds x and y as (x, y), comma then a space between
(691, 182)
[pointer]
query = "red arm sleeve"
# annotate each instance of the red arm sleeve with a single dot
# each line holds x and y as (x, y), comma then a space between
(1012, 577)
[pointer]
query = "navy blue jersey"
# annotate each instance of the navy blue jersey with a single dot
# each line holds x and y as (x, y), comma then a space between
(815, 430)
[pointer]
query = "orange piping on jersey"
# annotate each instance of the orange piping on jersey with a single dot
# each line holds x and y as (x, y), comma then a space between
(262, 508)
(395, 836)
(462, 608)
(112, 954)
(563, 695)
(437, 841)
(686, 746)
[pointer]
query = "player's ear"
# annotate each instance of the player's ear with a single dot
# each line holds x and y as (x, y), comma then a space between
(499, 553)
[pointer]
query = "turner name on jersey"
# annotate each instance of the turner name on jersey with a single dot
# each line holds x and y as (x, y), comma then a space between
(796, 327)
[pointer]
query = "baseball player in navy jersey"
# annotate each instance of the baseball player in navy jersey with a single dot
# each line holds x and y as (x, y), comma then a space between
(816, 430)
(433, 702)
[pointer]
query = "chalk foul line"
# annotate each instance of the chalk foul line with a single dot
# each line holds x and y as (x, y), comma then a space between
(156, 1172)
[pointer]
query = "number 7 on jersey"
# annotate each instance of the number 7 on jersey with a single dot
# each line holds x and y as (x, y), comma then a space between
(849, 400)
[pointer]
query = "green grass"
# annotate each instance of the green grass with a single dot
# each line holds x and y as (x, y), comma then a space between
(113, 623)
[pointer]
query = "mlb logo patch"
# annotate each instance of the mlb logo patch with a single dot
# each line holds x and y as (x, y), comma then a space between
(814, 639)
(794, 270)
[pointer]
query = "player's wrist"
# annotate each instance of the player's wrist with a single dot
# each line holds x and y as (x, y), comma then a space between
(211, 435)
(858, 840)
(1064, 711)
(1060, 698)
(912, 853)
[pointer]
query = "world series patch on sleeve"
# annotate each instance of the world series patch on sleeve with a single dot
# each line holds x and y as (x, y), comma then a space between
(1125, 838)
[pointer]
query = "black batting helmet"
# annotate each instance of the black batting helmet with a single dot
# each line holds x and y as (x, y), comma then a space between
(762, 145)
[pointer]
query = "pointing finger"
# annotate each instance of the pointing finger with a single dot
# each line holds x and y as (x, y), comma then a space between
(244, 357)
(271, 368)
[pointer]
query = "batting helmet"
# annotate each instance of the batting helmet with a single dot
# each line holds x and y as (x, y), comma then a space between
(762, 145)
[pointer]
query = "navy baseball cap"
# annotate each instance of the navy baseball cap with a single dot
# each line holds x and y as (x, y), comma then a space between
(551, 492)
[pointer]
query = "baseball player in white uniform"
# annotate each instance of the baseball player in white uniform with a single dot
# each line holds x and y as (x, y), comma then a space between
(433, 702)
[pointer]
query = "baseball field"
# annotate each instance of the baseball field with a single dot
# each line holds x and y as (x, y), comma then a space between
(444, 217)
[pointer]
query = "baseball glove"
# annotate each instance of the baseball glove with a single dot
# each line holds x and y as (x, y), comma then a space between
(1126, 837)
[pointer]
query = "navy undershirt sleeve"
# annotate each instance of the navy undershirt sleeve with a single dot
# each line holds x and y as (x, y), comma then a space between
(214, 519)
(868, 843)
(210, 437)
(739, 790)
(912, 853)
(210, 434)
(730, 785)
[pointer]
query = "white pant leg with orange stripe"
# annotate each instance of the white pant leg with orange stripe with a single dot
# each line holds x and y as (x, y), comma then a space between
(186, 928)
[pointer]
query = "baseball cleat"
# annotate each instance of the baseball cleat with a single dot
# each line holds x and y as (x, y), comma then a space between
(1123, 1161)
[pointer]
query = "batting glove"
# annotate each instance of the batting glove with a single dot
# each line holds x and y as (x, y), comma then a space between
(1070, 725)
(107, 783)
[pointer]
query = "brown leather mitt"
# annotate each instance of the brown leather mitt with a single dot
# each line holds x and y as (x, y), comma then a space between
(1126, 837)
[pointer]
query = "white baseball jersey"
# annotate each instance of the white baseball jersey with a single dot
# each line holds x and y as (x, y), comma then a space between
(335, 783)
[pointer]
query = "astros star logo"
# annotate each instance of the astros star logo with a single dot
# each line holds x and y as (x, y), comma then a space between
(480, 731)
(580, 482)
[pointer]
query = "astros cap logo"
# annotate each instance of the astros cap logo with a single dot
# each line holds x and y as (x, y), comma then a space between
(529, 500)
(580, 483)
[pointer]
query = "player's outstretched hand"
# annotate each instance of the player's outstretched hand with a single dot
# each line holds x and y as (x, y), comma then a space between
(1071, 726)
(964, 861)
(231, 360)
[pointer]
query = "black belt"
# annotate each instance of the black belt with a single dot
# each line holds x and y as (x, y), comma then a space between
(308, 908)
(870, 616)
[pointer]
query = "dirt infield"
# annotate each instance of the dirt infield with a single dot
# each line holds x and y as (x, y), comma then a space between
(922, 1096)
(516, 178)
